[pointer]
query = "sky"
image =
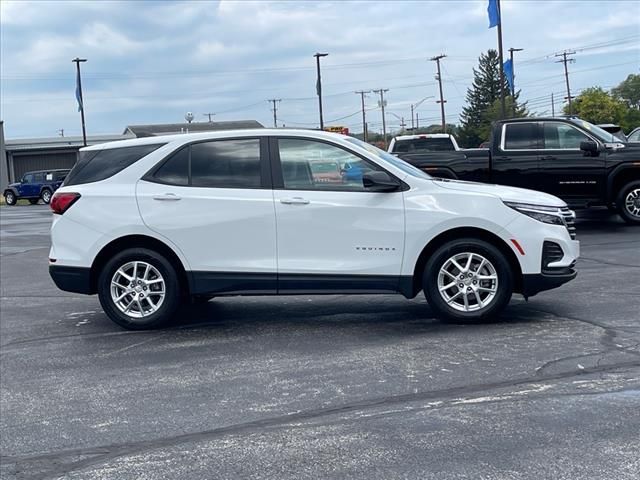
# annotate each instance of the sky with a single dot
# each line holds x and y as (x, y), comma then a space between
(153, 61)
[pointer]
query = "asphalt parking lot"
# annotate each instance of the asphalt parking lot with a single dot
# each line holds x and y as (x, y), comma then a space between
(322, 387)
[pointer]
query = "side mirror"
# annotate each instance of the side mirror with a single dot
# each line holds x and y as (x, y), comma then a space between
(590, 146)
(380, 182)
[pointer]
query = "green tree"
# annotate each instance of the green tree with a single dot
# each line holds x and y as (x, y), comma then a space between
(598, 106)
(481, 98)
(629, 91)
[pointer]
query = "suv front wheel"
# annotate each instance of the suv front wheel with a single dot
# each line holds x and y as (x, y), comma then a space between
(10, 198)
(138, 289)
(628, 202)
(467, 280)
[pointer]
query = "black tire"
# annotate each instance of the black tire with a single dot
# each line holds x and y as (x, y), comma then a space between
(438, 260)
(33, 201)
(167, 308)
(45, 196)
(628, 202)
(10, 198)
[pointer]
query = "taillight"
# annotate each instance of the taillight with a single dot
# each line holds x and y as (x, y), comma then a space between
(61, 201)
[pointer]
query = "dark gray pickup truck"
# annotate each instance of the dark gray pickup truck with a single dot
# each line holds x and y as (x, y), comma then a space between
(567, 157)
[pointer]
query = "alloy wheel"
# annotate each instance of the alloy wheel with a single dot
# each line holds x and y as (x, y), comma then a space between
(137, 289)
(632, 202)
(468, 282)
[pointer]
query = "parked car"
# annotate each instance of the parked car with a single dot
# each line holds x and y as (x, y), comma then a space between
(428, 142)
(148, 222)
(634, 136)
(34, 186)
(567, 157)
(615, 130)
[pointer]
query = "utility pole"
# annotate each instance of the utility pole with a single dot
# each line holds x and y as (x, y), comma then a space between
(413, 125)
(513, 79)
(364, 118)
(275, 102)
(209, 115)
(79, 97)
(61, 132)
(319, 86)
(382, 104)
(553, 106)
(566, 61)
(442, 100)
(417, 121)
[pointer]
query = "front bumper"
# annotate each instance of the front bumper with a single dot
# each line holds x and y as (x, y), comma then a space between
(71, 279)
(539, 282)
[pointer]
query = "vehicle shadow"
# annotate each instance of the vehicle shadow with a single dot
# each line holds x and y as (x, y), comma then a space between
(600, 220)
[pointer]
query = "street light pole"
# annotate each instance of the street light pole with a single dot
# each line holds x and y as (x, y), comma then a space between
(319, 86)
(79, 97)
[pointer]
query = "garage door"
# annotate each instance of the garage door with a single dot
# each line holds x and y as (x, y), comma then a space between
(42, 161)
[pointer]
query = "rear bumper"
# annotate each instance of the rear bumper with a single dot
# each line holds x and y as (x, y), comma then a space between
(539, 282)
(71, 279)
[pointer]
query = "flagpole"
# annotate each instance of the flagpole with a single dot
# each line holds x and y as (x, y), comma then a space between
(502, 101)
(84, 131)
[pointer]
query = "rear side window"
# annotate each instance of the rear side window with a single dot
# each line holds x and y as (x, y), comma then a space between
(96, 165)
(521, 136)
(226, 164)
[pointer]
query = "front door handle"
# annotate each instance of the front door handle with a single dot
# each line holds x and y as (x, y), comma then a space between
(167, 197)
(294, 201)
(548, 158)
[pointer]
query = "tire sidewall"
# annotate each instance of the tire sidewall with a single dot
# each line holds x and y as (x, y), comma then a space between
(42, 196)
(172, 289)
(9, 195)
(491, 253)
(620, 202)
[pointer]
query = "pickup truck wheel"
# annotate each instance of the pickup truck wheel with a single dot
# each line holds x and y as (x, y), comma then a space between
(467, 281)
(9, 198)
(138, 289)
(629, 203)
(46, 196)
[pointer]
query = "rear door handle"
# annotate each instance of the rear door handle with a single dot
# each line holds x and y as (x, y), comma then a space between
(167, 197)
(294, 201)
(549, 157)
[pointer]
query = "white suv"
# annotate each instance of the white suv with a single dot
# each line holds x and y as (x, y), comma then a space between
(148, 223)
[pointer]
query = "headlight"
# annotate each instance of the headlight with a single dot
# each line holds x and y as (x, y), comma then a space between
(541, 213)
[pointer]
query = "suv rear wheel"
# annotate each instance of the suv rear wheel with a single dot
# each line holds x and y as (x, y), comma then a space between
(138, 289)
(628, 202)
(46, 196)
(467, 280)
(9, 198)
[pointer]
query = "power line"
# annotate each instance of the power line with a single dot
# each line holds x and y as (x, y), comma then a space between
(209, 115)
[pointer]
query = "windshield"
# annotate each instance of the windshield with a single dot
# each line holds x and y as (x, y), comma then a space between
(387, 157)
(596, 131)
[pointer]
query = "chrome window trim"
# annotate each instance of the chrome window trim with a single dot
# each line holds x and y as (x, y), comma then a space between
(504, 137)
(504, 131)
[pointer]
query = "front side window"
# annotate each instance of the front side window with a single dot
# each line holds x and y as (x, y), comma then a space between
(312, 165)
(520, 136)
(28, 178)
(560, 136)
(635, 136)
(226, 164)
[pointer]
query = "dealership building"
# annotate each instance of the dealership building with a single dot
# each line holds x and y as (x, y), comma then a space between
(23, 155)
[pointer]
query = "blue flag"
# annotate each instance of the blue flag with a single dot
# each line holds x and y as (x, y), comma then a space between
(494, 13)
(78, 94)
(508, 72)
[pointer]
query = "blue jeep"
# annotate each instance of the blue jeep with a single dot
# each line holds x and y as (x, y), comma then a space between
(35, 186)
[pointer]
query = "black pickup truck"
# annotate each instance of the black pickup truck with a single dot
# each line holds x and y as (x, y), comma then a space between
(567, 157)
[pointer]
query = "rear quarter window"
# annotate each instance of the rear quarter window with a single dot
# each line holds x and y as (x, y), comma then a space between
(96, 165)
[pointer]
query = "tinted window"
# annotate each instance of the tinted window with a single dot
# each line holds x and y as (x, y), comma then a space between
(311, 165)
(60, 176)
(96, 165)
(424, 145)
(28, 178)
(562, 136)
(520, 136)
(226, 164)
(38, 177)
(175, 170)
